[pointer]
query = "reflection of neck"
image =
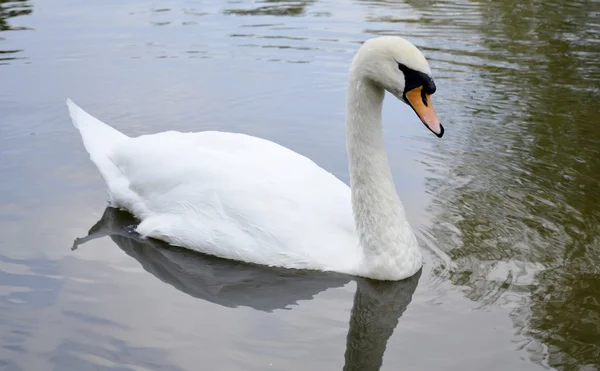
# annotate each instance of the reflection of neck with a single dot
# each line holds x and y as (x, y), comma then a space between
(385, 235)
(378, 305)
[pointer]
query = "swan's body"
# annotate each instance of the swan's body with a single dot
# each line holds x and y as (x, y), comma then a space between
(245, 198)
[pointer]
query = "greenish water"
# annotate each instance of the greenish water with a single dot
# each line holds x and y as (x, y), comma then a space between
(506, 205)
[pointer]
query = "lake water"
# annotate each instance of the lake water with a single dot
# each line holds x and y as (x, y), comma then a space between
(506, 206)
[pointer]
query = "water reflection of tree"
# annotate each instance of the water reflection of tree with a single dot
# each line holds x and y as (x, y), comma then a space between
(564, 163)
(279, 8)
(523, 193)
(11, 9)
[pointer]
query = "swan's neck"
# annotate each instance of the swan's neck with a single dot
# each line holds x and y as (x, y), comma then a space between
(390, 248)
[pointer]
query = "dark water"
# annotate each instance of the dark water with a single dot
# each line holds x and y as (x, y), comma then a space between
(506, 205)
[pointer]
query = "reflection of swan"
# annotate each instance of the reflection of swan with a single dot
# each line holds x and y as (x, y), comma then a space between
(377, 307)
(249, 199)
(220, 281)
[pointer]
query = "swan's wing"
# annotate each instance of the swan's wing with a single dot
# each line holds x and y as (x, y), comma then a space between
(238, 197)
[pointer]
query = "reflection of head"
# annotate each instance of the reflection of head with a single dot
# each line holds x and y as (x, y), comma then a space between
(378, 306)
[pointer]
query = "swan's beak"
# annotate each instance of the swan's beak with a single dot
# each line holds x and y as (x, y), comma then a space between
(421, 104)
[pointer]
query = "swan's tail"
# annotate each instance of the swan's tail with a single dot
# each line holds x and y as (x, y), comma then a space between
(99, 140)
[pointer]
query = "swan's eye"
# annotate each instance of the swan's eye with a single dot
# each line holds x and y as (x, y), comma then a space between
(414, 79)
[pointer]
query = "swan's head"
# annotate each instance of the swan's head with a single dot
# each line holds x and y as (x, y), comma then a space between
(396, 65)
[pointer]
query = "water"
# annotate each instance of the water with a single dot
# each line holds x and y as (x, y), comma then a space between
(506, 205)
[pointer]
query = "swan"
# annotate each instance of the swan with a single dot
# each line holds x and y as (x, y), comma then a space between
(245, 198)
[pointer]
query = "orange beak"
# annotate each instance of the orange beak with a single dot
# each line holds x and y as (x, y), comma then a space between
(421, 104)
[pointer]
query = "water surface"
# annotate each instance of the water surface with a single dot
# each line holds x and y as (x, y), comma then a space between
(505, 205)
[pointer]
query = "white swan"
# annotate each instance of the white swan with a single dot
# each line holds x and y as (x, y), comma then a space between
(244, 198)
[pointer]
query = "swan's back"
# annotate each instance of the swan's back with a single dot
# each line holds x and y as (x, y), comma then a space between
(238, 197)
(227, 194)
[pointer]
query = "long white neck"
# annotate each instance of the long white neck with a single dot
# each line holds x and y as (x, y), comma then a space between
(389, 245)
